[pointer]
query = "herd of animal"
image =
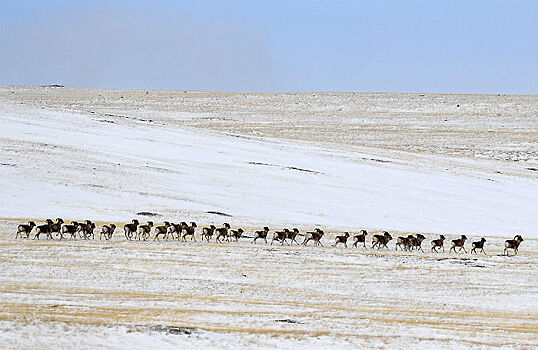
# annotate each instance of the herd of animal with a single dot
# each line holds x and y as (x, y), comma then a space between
(170, 231)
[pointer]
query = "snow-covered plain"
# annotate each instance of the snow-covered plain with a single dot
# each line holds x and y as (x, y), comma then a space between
(82, 165)
(403, 163)
(88, 294)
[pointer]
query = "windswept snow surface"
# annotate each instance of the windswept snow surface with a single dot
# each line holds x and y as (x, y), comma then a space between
(77, 166)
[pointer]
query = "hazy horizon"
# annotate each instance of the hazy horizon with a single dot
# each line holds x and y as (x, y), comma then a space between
(479, 47)
(52, 85)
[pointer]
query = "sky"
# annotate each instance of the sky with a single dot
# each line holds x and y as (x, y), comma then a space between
(267, 46)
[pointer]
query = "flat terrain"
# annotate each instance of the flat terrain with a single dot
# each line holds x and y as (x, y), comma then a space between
(407, 163)
(82, 294)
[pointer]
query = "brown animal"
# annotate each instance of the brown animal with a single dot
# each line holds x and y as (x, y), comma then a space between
(130, 229)
(341, 239)
(360, 238)
(189, 231)
(479, 245)
(314, 236)
(381, 240)
(70, 229)
(107, 231)
(512, 244)
(208, 232)
(222, 232)
(183, 226)
(25, 229)
(176, 228)
(404, 242)
(88, 230)
(173, 231)
(280, 236)
(416, 242)
(80, 230)
(236, 233)
(438, 243)
(261, 234)
(292, 235)
(57, 228)
(161, 230)
(46, 229)
(459, 243)
(144, 231)
(170, 232)
(85, 229)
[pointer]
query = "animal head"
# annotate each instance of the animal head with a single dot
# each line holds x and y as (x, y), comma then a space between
(227, 225)
(59, 221)
(166, 223)
(464, 237)
(286, 230)
(31, 223)
(193, 224)
(410, 236)
(240, 230)
(482, 239)
(421, 237)
(213, 227)
(364, 232)
(49, 221)
(518, 238)
(442, 237)
(112, 226)
(346, 234)
(150, 223)
(135, 221)
(265, 228)
(296, 230)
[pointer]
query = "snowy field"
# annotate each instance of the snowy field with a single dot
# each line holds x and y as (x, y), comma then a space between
(407, 163)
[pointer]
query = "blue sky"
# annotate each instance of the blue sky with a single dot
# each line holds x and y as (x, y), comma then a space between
(401, 46)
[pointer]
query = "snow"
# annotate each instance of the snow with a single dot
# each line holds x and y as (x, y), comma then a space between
(87, 294)
(70, 165)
